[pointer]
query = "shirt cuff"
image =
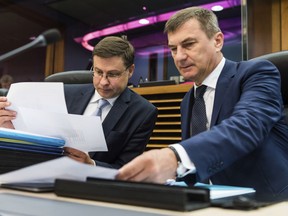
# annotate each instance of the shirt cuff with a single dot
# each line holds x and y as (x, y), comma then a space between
(94, 162)
(186, 162)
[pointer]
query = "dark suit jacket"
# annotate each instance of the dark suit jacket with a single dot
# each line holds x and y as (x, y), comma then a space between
(247, 144)
(127, 127)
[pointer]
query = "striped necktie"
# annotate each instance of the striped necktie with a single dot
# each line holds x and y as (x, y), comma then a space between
(101, 104)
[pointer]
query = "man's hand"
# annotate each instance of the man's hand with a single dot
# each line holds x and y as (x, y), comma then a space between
(152, 166)
(6, 115)
(78, 155)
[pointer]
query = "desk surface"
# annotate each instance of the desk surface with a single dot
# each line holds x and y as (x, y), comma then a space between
(277, 209)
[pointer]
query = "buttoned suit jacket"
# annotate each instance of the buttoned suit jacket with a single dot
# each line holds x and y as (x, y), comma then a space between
(247, 144)
(127, 127)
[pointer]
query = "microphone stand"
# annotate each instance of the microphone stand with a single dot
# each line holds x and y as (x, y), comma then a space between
(38, 42)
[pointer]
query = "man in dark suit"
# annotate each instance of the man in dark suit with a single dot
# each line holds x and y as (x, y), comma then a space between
(245, 137)
(128, 119)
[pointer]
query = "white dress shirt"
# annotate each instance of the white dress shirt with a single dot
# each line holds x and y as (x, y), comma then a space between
(92, 106)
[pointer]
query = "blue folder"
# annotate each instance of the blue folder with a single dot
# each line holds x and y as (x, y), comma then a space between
(32, 148)
(16, 136)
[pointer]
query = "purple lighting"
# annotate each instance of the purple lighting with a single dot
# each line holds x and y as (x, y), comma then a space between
(135, 24)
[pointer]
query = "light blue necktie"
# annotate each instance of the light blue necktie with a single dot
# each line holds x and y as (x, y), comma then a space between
(101, 104)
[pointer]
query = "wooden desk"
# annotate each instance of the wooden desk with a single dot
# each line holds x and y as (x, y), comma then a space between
(280, 209)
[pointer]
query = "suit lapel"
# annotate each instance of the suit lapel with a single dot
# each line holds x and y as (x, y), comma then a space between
(223, 83)
(186, 108)
(82, 99)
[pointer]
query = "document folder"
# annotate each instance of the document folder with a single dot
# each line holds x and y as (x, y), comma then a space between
(11, 135)
(11, 159)
(134, 193)
(31, 148)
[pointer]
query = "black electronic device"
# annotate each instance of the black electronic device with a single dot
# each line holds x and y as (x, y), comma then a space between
(135, 193)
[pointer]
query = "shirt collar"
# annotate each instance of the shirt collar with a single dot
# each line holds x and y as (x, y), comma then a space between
(97, 96)
(211, 80)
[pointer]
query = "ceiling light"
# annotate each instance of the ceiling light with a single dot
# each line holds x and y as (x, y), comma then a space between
(144, 21)
(217, 8)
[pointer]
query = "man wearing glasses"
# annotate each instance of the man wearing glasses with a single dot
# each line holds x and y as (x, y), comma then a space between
(127, 118)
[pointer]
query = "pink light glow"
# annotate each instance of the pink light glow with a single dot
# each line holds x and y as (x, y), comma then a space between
(135, 24)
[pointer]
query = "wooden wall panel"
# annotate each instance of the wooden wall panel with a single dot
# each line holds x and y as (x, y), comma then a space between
(267, 26)
(284, 25)
(54, 58)
(276, 26)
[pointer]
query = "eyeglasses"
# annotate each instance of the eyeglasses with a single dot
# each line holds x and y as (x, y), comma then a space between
(112, 75)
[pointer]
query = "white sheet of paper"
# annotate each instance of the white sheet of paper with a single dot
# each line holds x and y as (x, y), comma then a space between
(222, 191)
(38, 95)
(64, 168)
(81, 132)
(219, 191)
(43, 111)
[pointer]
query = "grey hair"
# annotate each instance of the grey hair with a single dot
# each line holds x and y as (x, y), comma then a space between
(207, 19)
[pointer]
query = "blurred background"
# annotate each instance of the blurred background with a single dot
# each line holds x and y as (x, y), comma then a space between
(83, 23)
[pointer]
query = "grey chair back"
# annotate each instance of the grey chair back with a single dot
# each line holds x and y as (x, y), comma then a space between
(71, 77)
(280, 60)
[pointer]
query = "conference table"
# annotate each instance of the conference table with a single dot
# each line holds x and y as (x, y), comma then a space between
(16, 203)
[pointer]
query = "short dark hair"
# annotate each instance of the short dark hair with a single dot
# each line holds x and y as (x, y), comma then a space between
(115, 46)
(207, 19)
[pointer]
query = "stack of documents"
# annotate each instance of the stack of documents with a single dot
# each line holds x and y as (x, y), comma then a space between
(19, 149)
(60, 168)
(23, 141)
(47, 125)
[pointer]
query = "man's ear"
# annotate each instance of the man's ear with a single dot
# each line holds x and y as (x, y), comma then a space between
(219, 41)
(131, 70)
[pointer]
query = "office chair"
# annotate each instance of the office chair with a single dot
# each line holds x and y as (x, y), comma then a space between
(280, 60)
(71, 77)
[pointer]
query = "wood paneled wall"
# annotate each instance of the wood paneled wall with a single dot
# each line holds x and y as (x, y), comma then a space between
(54, 58)
(267, 26)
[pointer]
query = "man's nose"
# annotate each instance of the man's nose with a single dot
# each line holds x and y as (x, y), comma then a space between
(180, 54)
(104, 80)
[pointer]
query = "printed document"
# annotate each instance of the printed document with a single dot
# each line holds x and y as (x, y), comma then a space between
(41, 109)
(60, 168)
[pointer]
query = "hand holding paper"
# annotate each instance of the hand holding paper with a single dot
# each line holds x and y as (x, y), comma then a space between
(44, 112)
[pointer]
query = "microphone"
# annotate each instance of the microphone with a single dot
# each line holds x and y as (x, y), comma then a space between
(47, 37)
